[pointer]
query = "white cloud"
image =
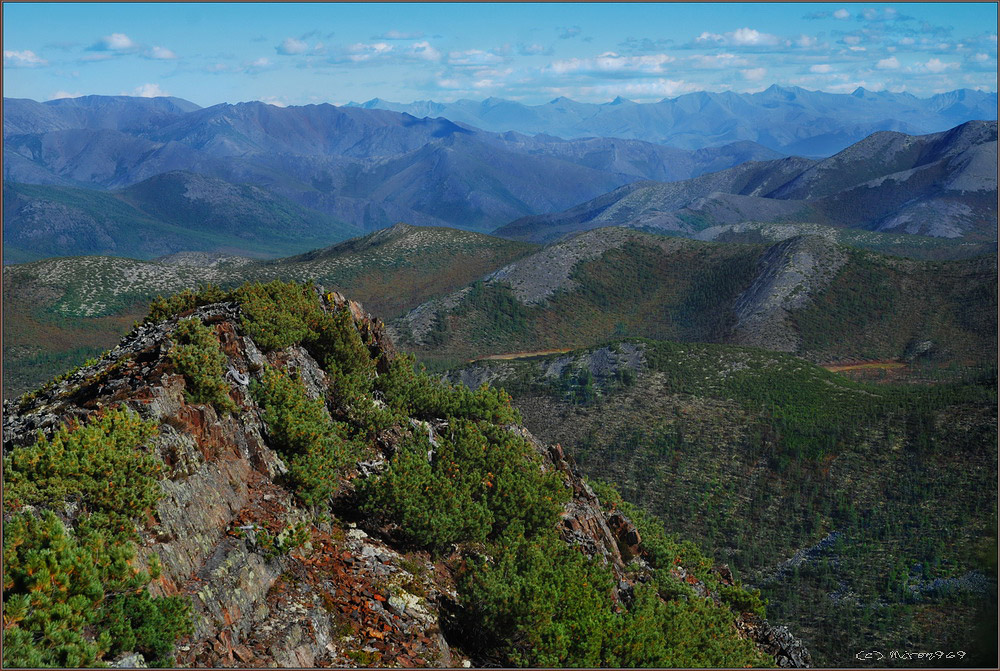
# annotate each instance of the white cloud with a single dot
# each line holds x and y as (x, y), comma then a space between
(891, 63)
(361, 52)
(291, 46)
(842, 14)
(821, 69)
(22, 59)
(981, 58)
(806, 41)
(273, 100)
(852, 39)
(869, 14)
(59, 95)
(424, 51)
(742, 37)
(936, 66)
(611, 62)
(162, 54)
(473, 57)
(718, 61)
(114, 42)
(148, 91)
(754, 75)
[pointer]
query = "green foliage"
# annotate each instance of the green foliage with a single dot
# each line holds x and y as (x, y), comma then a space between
(100, 465)
(51, 586)
(140, 623)
(498, 312)
(414, 393)
(291, 538)
(475, 482)
(756, 455)
(316, 448)
(540, 602)
(72, 598)
(198, 356)
(164, 308)
(279, 314)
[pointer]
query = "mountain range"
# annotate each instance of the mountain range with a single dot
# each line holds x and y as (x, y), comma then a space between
(941, 184)
(791, 120)
(364, 168)
(344, 171)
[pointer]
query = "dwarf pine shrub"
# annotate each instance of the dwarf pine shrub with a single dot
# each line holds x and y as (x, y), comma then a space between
(164, 308)
(474, 483)
(198, 356)
(100, 464)
(316, 448)
(72, 597)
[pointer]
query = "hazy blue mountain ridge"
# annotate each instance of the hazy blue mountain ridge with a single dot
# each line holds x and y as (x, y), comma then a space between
(791, 120)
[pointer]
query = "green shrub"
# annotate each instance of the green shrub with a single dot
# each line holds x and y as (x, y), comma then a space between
(72, 598)
(539, 602)
(140, 623)
(51, 586)
(164, 308)
(278, 314)
(198, 356)
(316, 448)
(478, 480)
(414, 393)
(99, 464)
(290, 538)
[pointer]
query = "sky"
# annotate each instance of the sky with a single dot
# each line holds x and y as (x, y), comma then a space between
(295, 54)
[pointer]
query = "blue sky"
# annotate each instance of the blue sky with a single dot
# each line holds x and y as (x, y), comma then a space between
(296, 54)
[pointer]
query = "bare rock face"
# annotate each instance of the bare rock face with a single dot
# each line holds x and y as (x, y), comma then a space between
(789, 274)
(348, 597)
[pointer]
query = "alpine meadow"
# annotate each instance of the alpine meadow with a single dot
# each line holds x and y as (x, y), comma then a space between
(500, 335)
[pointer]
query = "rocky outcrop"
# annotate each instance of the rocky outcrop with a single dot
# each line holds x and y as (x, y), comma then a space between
(788, 276)
(348, 596)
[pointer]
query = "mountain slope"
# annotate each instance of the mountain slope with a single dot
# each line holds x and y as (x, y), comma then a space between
(805, 294)
(942, 185)
(785, 469)
(124, 113)
(168, 213)
(58, 312)
(351, 513)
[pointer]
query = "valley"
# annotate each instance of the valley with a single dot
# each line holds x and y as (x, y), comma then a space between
(760, 456)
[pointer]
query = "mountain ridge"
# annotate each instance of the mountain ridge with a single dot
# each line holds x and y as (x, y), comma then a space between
(821, 123)
(941, 184)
